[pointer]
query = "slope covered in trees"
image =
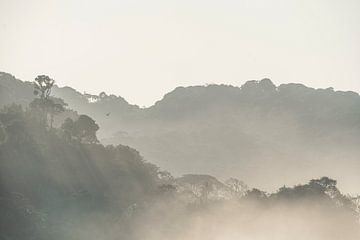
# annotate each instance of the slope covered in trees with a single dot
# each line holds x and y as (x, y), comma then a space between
(59, 182)
(54, 187)
(48, 179)
(268, 135)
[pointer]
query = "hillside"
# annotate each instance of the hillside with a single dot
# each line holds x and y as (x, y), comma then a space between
(61, 183)
(47, 181)
(247, 132)
(238, 131)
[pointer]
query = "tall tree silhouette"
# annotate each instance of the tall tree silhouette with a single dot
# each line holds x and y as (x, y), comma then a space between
(43, 85)
(45, 105)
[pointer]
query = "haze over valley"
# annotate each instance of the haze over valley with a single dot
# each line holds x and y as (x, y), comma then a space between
(179, 120)
(264, 134)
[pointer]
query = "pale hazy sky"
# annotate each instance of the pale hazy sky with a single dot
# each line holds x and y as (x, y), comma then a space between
(141, 49)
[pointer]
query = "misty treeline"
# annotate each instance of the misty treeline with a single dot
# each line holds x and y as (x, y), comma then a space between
(57, 181)
(267, 135)
(52, 176)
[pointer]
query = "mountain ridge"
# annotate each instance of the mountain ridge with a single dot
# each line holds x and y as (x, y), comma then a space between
(225, 130)
(247, 85)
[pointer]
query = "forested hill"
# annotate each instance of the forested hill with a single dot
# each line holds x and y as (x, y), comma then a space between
(51, 179)
(313, 107)
(265, 134)
(57, 181)
(13, 90)
(56, 187)
(318, 106)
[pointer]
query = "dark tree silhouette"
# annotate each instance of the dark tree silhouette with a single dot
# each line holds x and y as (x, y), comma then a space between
(322, 190)
(43, 85)
(83, 129)
(46, 106)
(68, 129)
(256, 194)
(86, 128)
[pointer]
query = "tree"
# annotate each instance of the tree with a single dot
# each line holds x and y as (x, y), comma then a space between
(86, 128)
(326, 186)
(324, 183)
(43, 85)
(12, 122)
(323, 188)
(256, 194)
(68, 129)
(55, 106)
(46, 106)
(238, 187)
(83, 129)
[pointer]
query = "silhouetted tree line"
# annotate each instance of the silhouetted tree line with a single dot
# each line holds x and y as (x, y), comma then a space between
(50, 176)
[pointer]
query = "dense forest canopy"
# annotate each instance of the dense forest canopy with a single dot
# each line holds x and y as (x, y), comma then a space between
(57, 181)
(266, 135)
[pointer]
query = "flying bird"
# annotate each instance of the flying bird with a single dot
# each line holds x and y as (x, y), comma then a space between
(108, 114)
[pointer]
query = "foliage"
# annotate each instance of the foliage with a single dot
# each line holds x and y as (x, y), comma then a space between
(237, 186)
(83, 129)
(43, 85)
(59, 180)
(46, 107)
(53, 178)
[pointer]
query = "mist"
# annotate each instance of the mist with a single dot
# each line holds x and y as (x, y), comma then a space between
(179, 120)
(261, 169)
(248, 221)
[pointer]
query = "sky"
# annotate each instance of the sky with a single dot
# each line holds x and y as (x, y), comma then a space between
(142, 49)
